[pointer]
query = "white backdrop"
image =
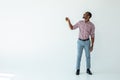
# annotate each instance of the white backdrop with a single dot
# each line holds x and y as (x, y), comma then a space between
(34, 35)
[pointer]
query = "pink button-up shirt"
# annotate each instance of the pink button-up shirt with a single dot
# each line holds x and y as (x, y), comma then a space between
(86, 29)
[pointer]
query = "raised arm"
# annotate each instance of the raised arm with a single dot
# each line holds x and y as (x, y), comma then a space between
(69, 23)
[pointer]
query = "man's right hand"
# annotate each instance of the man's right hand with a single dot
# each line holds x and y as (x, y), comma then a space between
(70, 25)
(67, 19)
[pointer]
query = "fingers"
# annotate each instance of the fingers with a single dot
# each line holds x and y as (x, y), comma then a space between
(91, 49)
(67, 19)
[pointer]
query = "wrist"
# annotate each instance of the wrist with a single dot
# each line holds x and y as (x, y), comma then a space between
(92, 45)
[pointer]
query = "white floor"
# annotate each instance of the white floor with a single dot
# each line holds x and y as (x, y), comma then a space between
(54, 67)
(58, 75)
(53, 64)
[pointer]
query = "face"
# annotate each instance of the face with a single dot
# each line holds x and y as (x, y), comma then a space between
(86, 16)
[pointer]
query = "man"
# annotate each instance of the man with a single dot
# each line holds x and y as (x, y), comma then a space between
(86, 31)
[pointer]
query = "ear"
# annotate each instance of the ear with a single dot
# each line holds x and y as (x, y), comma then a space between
(89, 17)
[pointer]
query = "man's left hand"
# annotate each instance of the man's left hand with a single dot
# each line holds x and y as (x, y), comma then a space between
(91, 48)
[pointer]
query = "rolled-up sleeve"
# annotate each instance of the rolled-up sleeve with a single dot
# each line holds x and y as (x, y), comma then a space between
(76, 25)
(93, 31)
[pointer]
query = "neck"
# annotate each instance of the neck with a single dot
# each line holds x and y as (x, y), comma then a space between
(86, 20)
